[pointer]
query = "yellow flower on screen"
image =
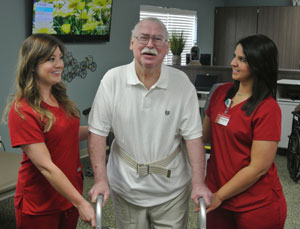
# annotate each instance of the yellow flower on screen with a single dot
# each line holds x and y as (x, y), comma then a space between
(63, 12)
(90, 26)
(81, 5)
(43, 28)
(73, 3)
(66, 28)
(102, 3)
(86, 14)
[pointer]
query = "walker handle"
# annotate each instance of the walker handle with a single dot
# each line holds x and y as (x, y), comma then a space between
(202, 214)
(99, 212)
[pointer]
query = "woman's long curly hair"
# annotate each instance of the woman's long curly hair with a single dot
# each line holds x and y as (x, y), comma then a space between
(37, 49)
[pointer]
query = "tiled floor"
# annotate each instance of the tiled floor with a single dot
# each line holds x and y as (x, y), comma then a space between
(291, 190)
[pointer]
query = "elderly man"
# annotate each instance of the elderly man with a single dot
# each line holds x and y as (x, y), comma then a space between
(150, 108)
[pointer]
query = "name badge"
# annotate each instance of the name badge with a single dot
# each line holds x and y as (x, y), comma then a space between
(222, 119)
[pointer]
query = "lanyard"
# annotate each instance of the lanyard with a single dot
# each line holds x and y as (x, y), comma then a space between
(227, 104)
(223, 119)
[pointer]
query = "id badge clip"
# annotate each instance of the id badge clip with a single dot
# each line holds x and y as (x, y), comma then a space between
(224, 118)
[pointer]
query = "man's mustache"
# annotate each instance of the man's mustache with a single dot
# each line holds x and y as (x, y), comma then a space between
(152, 51)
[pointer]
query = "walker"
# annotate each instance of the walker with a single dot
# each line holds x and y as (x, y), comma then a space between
(99, 212)
(201, 213)
(293, 151)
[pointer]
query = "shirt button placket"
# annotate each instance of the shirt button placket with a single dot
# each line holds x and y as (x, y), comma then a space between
(147, 101)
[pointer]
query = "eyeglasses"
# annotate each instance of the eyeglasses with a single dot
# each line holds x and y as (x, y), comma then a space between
(156, 40)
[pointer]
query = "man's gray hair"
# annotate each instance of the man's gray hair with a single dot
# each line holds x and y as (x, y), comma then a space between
(154, 19)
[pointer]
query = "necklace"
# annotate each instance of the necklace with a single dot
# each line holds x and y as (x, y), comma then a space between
(239, 94)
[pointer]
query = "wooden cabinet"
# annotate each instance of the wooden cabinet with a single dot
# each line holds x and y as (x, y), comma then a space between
(280, 23)
(231, 24)
(224, 37)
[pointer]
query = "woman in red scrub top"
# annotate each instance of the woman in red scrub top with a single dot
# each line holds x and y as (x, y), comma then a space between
(243, 125)
(44, 122)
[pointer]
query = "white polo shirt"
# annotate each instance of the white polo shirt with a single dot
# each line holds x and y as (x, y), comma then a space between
(148, 125)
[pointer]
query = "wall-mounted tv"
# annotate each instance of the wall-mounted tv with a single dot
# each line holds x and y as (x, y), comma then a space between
(73, 20)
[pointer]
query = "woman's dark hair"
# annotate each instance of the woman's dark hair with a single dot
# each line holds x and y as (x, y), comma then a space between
(262, 57)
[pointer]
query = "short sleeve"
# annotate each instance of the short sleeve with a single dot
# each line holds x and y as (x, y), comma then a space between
(24, 130)
(100, 116)
(267, 121)
(190, 124)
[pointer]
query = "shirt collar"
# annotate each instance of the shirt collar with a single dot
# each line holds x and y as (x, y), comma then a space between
(132, 78)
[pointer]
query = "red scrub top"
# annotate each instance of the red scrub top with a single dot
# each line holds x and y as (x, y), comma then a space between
(231, 148)
(33, 192)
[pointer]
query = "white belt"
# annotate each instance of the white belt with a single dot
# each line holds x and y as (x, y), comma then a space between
(144, 169)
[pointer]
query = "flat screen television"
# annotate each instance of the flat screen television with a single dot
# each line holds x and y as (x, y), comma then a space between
(73, 20)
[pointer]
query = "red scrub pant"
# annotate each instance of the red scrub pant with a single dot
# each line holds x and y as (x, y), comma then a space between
(62, 220)
(271, 216)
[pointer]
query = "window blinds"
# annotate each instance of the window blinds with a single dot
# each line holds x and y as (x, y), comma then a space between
(176, 20)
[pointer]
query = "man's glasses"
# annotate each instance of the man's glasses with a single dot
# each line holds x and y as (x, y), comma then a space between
(156, 40)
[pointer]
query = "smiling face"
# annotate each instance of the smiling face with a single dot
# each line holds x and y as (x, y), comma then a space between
(150, 55)
(49, 72)
(240, 67)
